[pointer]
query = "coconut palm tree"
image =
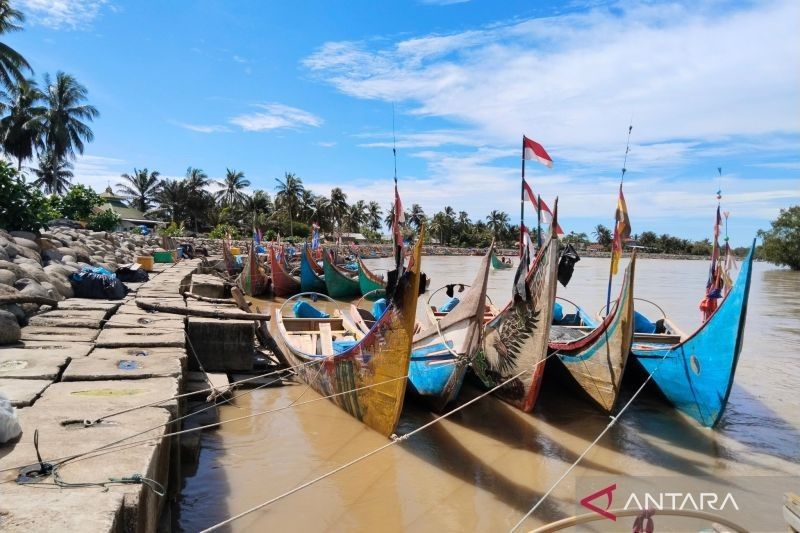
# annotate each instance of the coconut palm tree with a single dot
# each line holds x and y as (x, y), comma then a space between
(289, 195)
(11, 62)
(321, 212)
(338, 207)
(233, 184)
(602, 234)
(356, 215)
(417, 216)
(497, 222)
(140, 189)
(173, 200)
(374, 213)
(260, 205)
(64, 122)
(197, 201)
(53, 175)
(19, 129)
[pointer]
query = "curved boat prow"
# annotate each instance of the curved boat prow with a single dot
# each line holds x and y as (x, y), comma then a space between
(696, 374)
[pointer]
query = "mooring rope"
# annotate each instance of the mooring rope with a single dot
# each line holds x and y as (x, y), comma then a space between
(613, 421)
(373, 452)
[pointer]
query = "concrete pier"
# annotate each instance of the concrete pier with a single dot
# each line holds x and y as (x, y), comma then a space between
(93, 360)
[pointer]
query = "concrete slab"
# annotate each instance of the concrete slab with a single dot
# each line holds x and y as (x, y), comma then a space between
(92, 399)
(45, 345)
(23, 392)
(20, 363)
(222, 345)
(34, 333)
(62, 434)
(127, 363)
(69, 319)
(82, 304)
(207, 285)
(122, 337)
(160, 321)
(24, 509)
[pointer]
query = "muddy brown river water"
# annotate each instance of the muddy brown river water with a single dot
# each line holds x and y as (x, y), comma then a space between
(483, 468)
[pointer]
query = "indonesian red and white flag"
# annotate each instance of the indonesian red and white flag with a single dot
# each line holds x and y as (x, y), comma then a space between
(547, 214)
(531, 150)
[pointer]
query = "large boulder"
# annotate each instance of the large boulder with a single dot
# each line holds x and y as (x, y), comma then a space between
(11, 249)
(29, 254)
(16, 310)
(27, 243)
(28, 235)
(52, 255)
(61, 284)
(3, 254)
(7, 278)
(10, 331)
(8, 265)
(54, 293)
(34, 272)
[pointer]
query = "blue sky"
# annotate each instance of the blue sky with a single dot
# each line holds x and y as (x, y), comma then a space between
(308, 87)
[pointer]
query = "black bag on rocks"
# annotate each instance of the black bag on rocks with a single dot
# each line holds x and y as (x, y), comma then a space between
(132, 273)
(98, 284)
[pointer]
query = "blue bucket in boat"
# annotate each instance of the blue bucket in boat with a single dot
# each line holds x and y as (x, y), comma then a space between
(449, 305)
(642, 324)
(343, 345)
(558, 313)
(379, 307)
(303, 309)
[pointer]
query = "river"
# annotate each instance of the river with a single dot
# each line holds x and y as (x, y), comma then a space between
(483, 468)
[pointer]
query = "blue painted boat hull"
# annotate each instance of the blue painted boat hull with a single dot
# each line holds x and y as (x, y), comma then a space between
(696, 375)
(310, 281)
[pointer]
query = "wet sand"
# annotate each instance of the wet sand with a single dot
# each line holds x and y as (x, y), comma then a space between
(484, 467)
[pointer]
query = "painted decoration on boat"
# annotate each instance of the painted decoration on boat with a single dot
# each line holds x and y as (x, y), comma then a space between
(339, 284)
(310, 281)
(283, 283)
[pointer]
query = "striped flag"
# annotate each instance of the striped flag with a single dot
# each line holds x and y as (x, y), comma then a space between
(547, 214)
(314, 235)
(622, 231)
(533, 151)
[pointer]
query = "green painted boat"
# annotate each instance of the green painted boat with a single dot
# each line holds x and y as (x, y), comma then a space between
(497, 264)
(339, 284)
(369, 283)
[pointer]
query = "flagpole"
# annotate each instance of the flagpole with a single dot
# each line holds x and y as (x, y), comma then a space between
(538, 221)
(522, 202)
(616, 222)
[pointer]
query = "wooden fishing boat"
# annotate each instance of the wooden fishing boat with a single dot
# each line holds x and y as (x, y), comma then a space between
(340, 285)
(283, 283)
(369, 377)
(595, 354)
(444, 348)
(499, 265)
(371, 285)
(695, 372)
(253, 280)
(515, 341)
(310, 281)
(313, 263)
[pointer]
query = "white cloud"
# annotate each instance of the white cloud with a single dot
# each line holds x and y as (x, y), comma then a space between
(201, 128)
(71, 14)
(239, 59)
(99, 172)
(275, 116)
(327, 144)
(575, 80)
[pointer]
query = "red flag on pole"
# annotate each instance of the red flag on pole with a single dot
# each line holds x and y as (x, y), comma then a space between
(531, 150)
(547, 214)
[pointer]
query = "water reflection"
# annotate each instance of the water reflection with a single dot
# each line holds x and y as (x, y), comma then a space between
(487, 465)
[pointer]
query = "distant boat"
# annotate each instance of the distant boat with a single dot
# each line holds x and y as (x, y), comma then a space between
(515, 341)
(695, 372)
(283, 283)
(595, 355)
(444, 349)
(364, 373)
(253, 280)
(371, 285)
(499, 265)
(340, 283)
(310, 281)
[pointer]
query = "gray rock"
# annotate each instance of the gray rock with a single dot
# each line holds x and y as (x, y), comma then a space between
(30, 254)
(8, 265)
(16, 310)
(52, 255)
(62, 285)
(27, 243)
(6, 290)
(9, 328)
(34, 272)
(69, 259)
(11, 250)
(3, 254)
(23, 235)
(54, 293)
(7, 278)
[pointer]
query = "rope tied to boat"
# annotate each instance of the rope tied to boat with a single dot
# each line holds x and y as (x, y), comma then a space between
(644, 522)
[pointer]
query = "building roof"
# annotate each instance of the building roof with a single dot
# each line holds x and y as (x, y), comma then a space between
(129, 214)
(109, 196)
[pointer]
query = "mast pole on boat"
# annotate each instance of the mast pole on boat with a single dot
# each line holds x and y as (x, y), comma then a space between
(538, 221)
(522, 202)
(616, 222)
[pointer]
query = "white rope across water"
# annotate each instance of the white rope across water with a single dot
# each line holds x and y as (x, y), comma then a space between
(613, 421)
(371, 453)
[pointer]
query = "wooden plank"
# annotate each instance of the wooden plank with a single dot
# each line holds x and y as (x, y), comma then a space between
(791, 510)
(327, 339)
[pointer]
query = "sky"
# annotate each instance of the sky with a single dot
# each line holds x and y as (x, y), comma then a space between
(317, 88)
